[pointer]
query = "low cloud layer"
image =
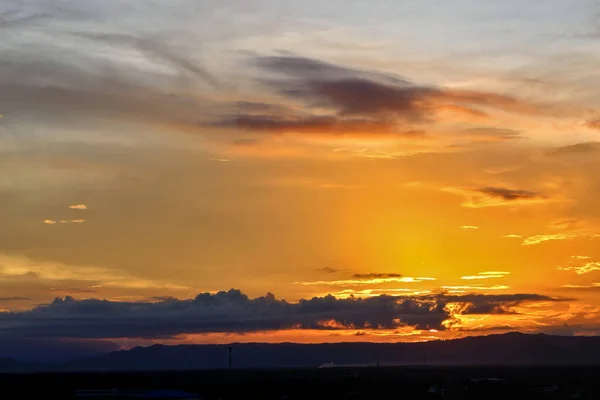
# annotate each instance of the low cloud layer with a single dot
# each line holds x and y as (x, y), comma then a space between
(233, 311)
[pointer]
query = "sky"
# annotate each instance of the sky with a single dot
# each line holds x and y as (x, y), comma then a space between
(182, 171)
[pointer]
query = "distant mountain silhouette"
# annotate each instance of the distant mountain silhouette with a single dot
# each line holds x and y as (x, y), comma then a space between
(506, 349)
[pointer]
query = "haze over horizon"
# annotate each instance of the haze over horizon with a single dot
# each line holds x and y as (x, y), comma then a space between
(176, 171)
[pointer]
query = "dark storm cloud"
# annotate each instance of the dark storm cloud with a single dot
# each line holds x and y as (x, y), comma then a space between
(509, 194)
(374, 275)
(233, 311)
(579, 148)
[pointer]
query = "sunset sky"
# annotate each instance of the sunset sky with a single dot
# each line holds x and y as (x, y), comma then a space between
(209, 172)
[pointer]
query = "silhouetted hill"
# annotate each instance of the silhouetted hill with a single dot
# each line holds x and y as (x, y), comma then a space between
(506, 349)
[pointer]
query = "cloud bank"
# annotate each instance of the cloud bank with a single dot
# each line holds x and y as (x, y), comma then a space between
(233, 311)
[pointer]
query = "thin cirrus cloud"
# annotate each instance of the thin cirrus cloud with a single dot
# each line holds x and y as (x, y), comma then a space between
(365, 281)
(578, 149)
(63, 221)
(593, 286)
(512, 236)
(233, 311)
(584, 268)
(475, 287)
(55, 274)
(469, 227)
(497, 196)
(593, 124)
(569, 235)
(78, 207)
(486, 275)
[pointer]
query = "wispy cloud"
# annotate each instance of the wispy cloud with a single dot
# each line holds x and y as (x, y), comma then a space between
(486, 275)
(328, 270)
(378, 292)
(497, 196)
(475, 287)
(564, 224)
(367, 281)
(579, 149)
(537, 239)
(78, 207)
(55, 273)
(469, 227)
(64, 221)
(376, 275)
(512, 236)
(593, 123)
(595, 285)
(584, 268)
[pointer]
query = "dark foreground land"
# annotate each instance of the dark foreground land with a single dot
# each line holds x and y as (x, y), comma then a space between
(332, 383)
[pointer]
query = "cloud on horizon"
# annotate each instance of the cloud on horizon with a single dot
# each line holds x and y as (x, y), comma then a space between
(233, 311)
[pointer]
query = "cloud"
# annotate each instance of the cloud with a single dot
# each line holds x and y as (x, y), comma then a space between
(64, 221)
(593, 286)
(474, 287)
(328, 270)
(497, 196)
(323, 125)
(233, 311)
(564, 224)
(344, 101)
(154, 50)
(537, 239)
(15, 298)
(512, 236)
(509, 194)
(78, 207)
(365, 281)
(57, 274)
(494, 304)
(487, 134)
(375, 275)
(469, 227)
(486, 275)
(593, 123)
(366, 93)
(579, 148)
(584, 268)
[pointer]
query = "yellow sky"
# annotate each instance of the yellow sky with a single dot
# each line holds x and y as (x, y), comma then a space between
(344, 157)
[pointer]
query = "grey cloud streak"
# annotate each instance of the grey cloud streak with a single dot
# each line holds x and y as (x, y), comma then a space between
(233, 311)
(510, 194)
(358, 100)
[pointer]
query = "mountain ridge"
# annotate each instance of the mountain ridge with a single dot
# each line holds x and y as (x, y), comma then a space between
(513, 348)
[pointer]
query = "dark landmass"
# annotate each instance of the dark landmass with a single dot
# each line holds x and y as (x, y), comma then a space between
(512, 349)
(414, 383)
